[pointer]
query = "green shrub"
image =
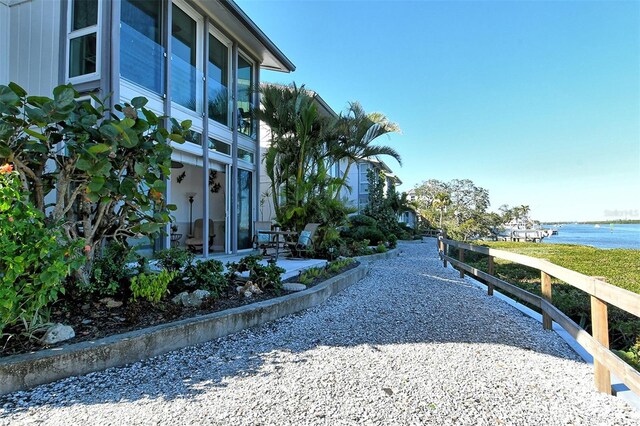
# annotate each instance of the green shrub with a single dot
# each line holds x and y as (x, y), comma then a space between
(35, 259)
(393, 241)
(151, 286)
(308, 276)
(381, 248)
(360, 248)
(269, 276)
(174, 259)
(363, 220)
(337, 265)
(207, 275)
(374, 235)
(110, 271)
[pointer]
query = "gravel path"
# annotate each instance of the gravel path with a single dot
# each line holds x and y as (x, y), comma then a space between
(409, 344)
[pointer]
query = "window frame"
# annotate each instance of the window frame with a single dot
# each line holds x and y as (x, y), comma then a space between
(247, 57)
(213, 31)
(74, 34)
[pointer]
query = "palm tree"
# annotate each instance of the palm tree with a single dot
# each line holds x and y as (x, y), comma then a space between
(357, 131)
(440, 202)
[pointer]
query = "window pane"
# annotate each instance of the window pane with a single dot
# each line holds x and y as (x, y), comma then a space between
(193, 137)
(84, 13)
(218, 81)
(183, 60)
(82, 55)
(218, 146)
(141, 51)
(245, 155)
(245, 92)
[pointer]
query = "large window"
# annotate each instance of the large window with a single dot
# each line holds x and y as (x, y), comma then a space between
(141, 51)
(218, 80)
(83, 39)
(184, 62)
(245, 97)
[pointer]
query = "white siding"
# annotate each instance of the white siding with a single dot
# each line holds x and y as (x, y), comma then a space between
(4, 42)
(34, 53)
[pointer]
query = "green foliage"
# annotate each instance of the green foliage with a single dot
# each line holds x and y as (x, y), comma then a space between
(110, 271)
(393, 241)
(360, 248)
(207, 275)
(308, 276)
(35, 259)
(311, 275)
(381, 248)
(151, 286)
(339, 264)
(174, 259)
(459, 207)
(269, 276)
(111, 178)
(631, 356)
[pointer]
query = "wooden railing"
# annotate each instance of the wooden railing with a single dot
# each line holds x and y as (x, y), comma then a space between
(433, 233)
(601, 293)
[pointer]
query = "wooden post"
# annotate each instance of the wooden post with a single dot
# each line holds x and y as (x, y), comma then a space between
(545, 282)
(600, 327)
(491, 271)
(444, 248)
(461, 258)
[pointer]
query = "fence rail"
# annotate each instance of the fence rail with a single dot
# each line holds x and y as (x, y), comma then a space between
(601, 293)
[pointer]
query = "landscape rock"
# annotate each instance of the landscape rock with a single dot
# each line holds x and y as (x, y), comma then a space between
(58, 333)
(293, 287)
(191, 299)
(249, 289)
(110, 302)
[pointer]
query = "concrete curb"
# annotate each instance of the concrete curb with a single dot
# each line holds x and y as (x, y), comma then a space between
(20, 372)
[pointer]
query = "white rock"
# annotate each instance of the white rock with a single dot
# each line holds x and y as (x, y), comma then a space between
(293, 287)
(191, 299)
(58, 333)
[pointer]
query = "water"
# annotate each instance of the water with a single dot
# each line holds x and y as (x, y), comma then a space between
(606, 236)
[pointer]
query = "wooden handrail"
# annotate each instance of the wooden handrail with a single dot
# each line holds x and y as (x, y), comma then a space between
(601, 293)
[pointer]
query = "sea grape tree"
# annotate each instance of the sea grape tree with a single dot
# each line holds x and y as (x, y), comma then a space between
(96, 173)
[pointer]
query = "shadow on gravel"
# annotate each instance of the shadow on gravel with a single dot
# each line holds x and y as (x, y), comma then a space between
(398, 303)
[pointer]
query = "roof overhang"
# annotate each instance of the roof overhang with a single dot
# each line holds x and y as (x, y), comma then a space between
(230, 18)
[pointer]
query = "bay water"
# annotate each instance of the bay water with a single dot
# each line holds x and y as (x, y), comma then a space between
(603, 236)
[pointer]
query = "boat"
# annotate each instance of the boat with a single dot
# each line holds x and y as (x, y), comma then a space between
(597, 226)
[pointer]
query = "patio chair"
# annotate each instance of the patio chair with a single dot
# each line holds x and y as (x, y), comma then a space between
(304, 245)
(195, 241)
(262, 241)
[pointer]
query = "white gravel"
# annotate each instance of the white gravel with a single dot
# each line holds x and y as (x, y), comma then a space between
(409, 344)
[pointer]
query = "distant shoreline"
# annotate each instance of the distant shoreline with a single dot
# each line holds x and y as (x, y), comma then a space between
(598, 222)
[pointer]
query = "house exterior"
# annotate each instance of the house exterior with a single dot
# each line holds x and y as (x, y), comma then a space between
(195, 60)
(357, 180)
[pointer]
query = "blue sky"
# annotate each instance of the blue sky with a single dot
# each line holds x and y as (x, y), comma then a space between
(538, 102)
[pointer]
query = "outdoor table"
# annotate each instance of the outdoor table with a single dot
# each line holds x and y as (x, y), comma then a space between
(277, 241)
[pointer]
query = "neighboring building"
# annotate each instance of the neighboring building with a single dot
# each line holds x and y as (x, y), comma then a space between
(358, 180)
(195, 60)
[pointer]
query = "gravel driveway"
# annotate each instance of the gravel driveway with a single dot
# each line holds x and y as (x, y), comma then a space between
(409, 344)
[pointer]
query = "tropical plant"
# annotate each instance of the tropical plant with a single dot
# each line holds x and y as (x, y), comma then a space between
(108, 168)
(151, 286)
(207, 275)
(357, 131)
(35, 258)
(269, 276)
(110, 270)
